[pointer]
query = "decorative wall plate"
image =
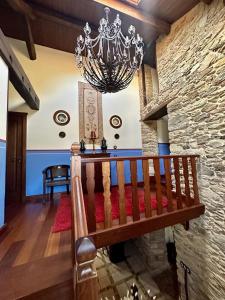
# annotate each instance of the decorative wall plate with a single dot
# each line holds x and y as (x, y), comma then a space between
(62, 134)
(115, 121)
(61, 117)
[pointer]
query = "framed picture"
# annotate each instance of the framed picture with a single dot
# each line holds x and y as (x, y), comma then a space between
(61, 117)
(115, 121)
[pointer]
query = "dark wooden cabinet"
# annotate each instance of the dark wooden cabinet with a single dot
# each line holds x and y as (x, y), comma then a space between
(98, 171)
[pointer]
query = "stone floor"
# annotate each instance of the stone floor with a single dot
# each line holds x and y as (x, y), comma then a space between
(116, 279)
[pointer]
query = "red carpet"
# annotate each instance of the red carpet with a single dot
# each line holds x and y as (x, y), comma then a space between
(63, 215)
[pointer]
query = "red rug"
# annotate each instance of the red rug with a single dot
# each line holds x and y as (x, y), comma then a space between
(63, 215)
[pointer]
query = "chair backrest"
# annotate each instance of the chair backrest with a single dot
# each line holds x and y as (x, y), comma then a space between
(58, 171)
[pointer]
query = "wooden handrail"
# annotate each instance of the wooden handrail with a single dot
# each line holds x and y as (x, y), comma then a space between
(143, 157)
(83, 248)
(80, 221)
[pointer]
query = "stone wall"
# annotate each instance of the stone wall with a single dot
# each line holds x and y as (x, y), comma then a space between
(191, 71)
(149, 128)
(153, 245)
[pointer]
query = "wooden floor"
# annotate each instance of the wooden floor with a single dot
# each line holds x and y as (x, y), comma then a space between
(34, 263)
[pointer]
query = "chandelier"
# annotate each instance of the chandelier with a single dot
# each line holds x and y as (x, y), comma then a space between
(109, 61)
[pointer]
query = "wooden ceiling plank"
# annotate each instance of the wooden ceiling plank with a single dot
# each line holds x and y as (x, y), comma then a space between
(207, 1)
(29, 39)
(157, 24)
(59, 18)
(21, 7)
(17, 75)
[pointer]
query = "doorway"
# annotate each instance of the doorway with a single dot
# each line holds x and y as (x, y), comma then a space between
(16, 158)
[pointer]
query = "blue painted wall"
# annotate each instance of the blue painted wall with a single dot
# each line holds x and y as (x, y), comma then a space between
(37, 160)
(163, 149)
(2, 180)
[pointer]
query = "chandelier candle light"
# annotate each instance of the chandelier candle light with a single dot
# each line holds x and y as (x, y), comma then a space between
(109, 61)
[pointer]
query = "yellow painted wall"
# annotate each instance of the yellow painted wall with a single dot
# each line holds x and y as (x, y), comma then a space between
(55, 77)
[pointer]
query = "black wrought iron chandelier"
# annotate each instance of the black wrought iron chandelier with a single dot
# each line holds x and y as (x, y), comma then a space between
(109, 61)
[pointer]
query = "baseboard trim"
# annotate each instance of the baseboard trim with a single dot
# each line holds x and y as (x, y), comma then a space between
(41, 196)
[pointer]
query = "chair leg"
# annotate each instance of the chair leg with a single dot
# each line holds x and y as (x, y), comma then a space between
(52, 190)
(67, 188)
(44, 194)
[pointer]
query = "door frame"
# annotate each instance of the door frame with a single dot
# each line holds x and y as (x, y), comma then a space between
(24, 147)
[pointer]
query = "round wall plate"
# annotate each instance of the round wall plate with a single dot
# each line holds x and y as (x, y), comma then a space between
(115, 121)
(62, 134)
(61, 117)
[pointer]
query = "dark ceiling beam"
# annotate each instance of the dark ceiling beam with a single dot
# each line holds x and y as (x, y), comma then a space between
(59, 18)
(154, 23)
(27, 13)
(17, 75)
(207, 1)
(21, 7)
(29, 39)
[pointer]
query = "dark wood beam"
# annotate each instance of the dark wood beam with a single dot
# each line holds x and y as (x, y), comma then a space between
(59, 18)
(207, 1)
(29, 39)
(17, 75)
(119, 233)
(21, 7)
(157, 24)
(157, 113)
(27, 13)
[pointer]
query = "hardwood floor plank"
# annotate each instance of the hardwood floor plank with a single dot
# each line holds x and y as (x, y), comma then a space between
(13, 229)
(65, 241)
(41, 274)
(52, 247)
(39, 264)
(42, 240)
(25, 254)
(11, 254)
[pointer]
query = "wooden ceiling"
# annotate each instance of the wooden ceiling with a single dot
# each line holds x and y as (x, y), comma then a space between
(57, 23)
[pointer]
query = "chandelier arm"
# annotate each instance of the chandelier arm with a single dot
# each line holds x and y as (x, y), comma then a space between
(122, 73)
(95, 59)
(89, 68)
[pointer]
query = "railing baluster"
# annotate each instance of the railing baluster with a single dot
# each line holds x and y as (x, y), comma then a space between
(177, 179)
(167, 167)
(158, 185)
(186, 181)
(121, 181)
(147, 193)
(195, 183)
(107, 200)
(135, 202)
(91, 217)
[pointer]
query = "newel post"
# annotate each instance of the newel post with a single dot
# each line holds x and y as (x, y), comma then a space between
(75, 160)
(86, 276)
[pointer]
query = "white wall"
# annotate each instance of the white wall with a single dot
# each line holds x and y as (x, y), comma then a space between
(55, 77)
(3, 98)
(3, 120)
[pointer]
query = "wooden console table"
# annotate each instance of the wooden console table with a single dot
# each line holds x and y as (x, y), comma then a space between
(98, 171)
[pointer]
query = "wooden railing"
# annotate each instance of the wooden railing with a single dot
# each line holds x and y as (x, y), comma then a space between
(83, 249)
(178, 186)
